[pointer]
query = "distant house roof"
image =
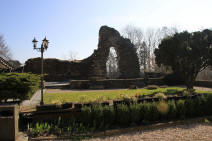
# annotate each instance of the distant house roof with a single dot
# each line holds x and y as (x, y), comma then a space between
(5, 65)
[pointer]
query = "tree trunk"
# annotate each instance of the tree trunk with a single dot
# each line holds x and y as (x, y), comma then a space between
(189, 82)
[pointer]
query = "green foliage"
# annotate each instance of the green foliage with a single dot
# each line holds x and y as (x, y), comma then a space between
(40, 129)
(109, 116)
(144, 110)
(153, 113)
(161, 96)
(18, 85)
(180, 106)
(163, 107)
(186, 53)
(135, 113)
(99, 117)
(123, 115)
(43, 128)
(172, 113)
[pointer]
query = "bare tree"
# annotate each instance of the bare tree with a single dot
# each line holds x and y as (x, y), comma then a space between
(137, 37)
(112, 64)
(4, 49)
(72, 56)
(145, 42)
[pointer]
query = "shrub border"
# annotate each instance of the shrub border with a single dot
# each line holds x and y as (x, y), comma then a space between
(112, 132)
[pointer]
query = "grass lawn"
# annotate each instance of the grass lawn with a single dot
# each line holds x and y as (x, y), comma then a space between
(91, 96)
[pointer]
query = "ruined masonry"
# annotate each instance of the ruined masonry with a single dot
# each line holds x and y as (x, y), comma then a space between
(93, 67)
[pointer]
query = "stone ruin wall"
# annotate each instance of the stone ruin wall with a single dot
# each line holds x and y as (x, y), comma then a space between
(93, 67)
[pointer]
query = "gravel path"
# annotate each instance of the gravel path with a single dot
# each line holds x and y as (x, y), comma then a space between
(188, 132)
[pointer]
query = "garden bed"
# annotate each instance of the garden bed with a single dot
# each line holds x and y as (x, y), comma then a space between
(124, 113)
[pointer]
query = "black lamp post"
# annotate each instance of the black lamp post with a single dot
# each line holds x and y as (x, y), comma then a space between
(43, 47)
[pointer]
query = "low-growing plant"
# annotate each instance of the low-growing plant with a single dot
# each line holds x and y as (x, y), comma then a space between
(144, 110)
(109, 116)
(123, 115)
(135, 113)
(100, 99)
(82, 99)
(163, 107)
(180, 106)
(161, 96)
(39, 129)
(97, 117)
(172, 113)
(153, 113)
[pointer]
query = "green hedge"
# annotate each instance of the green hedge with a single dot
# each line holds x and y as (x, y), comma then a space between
(99, 117)
(143, 113)
(18, 85)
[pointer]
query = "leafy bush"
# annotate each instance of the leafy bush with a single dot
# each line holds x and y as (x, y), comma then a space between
(99, 117)
(18, 85)
(161, 96)
(208, 104)
(109, 116)
(163, 107)
(153, 113)
(180, 105)
(123, 115)
(172, 113)
(143, 110)
(135, 113)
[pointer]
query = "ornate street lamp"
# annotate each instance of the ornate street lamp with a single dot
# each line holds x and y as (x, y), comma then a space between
(43, 47)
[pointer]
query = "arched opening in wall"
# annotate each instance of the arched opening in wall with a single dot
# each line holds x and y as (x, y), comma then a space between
(112, 67)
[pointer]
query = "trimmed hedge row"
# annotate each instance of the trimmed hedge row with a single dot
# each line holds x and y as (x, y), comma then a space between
(18, 85)
(106, 117)
(102, 117)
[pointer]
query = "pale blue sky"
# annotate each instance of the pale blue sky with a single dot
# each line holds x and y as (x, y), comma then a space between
(72, 25)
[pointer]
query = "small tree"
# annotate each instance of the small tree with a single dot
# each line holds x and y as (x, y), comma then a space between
(186, 53)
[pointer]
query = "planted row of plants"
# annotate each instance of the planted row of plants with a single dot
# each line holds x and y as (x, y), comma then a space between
(19, 86)
(97, 118)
